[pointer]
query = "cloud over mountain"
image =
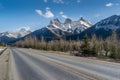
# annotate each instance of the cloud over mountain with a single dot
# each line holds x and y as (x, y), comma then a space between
(47, 14)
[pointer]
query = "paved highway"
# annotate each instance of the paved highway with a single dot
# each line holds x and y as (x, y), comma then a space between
(29, 64)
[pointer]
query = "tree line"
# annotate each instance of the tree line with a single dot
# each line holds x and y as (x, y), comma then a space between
(109, 47)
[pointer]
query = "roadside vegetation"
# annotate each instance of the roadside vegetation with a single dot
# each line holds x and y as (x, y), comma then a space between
(108, 48)
(1, 44)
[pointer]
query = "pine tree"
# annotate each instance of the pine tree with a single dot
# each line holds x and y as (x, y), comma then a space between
(114, 46)
(106, 47)
(1, 44)
(94, 45)
(85, 47)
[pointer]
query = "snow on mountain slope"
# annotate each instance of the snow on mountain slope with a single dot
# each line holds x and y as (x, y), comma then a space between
(55, 30)
(22, 32)
(69, 26)
(8, 36)
(103, 29)
(112, 22)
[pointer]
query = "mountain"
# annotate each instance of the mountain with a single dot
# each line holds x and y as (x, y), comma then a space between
(22, 32)
(69, 26)
(8, 36)
(69, 29)
(102, 29)
(57, 30)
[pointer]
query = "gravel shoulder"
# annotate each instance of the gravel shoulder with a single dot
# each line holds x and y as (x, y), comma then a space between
(4, 61)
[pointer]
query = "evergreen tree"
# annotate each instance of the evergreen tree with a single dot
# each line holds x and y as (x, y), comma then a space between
(1, 44)
(94, 45)
(85, 47)
(106, 47)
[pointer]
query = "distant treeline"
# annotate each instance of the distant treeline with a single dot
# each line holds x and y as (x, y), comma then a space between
(98, 47)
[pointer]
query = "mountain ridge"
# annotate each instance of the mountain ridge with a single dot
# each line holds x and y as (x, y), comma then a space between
(8, 36)
(72, 30)
(57, 30)
(101, 29)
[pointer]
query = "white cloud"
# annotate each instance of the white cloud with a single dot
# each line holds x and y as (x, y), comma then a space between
(39, 12)
(25, 27)
(55, 1)
(58, 1)
(109, 4)
(61, 13)
(64, 16)
(78, 1)
(47, 14)
(45, 1)
(112, 4)
(47, 8)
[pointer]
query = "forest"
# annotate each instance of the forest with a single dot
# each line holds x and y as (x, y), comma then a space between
(94, 46)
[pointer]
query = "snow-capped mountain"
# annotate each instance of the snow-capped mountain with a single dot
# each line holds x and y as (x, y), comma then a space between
(77, 29)
(112, 22)
(22, 32)
(103, 28)
(9, 36)
(69, 25)
(57, 30)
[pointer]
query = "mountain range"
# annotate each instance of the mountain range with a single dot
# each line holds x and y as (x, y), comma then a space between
(68, 29)
(102, 29)
(8, 36)
(56, 30)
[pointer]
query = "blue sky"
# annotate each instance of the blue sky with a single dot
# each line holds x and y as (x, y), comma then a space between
(34, 14)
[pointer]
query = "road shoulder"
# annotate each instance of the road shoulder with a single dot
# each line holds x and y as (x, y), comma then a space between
(4, 61)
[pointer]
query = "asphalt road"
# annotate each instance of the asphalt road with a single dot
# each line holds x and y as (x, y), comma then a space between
(29, 64)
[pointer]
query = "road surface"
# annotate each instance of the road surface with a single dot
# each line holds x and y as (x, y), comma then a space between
(29, 64)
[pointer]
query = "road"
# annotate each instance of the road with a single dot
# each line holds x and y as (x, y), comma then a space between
(29, 64)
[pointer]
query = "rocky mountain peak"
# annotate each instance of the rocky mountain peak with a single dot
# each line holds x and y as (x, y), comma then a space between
(68, 20)
(55, 21)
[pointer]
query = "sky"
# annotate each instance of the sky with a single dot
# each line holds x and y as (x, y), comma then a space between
(35, 14)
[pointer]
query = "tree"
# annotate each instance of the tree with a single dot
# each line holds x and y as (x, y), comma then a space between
(113, 52)
(85, 47)
(43, 44)
(106, 47)
(114, 45)
(1, 44)
(94, 45)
